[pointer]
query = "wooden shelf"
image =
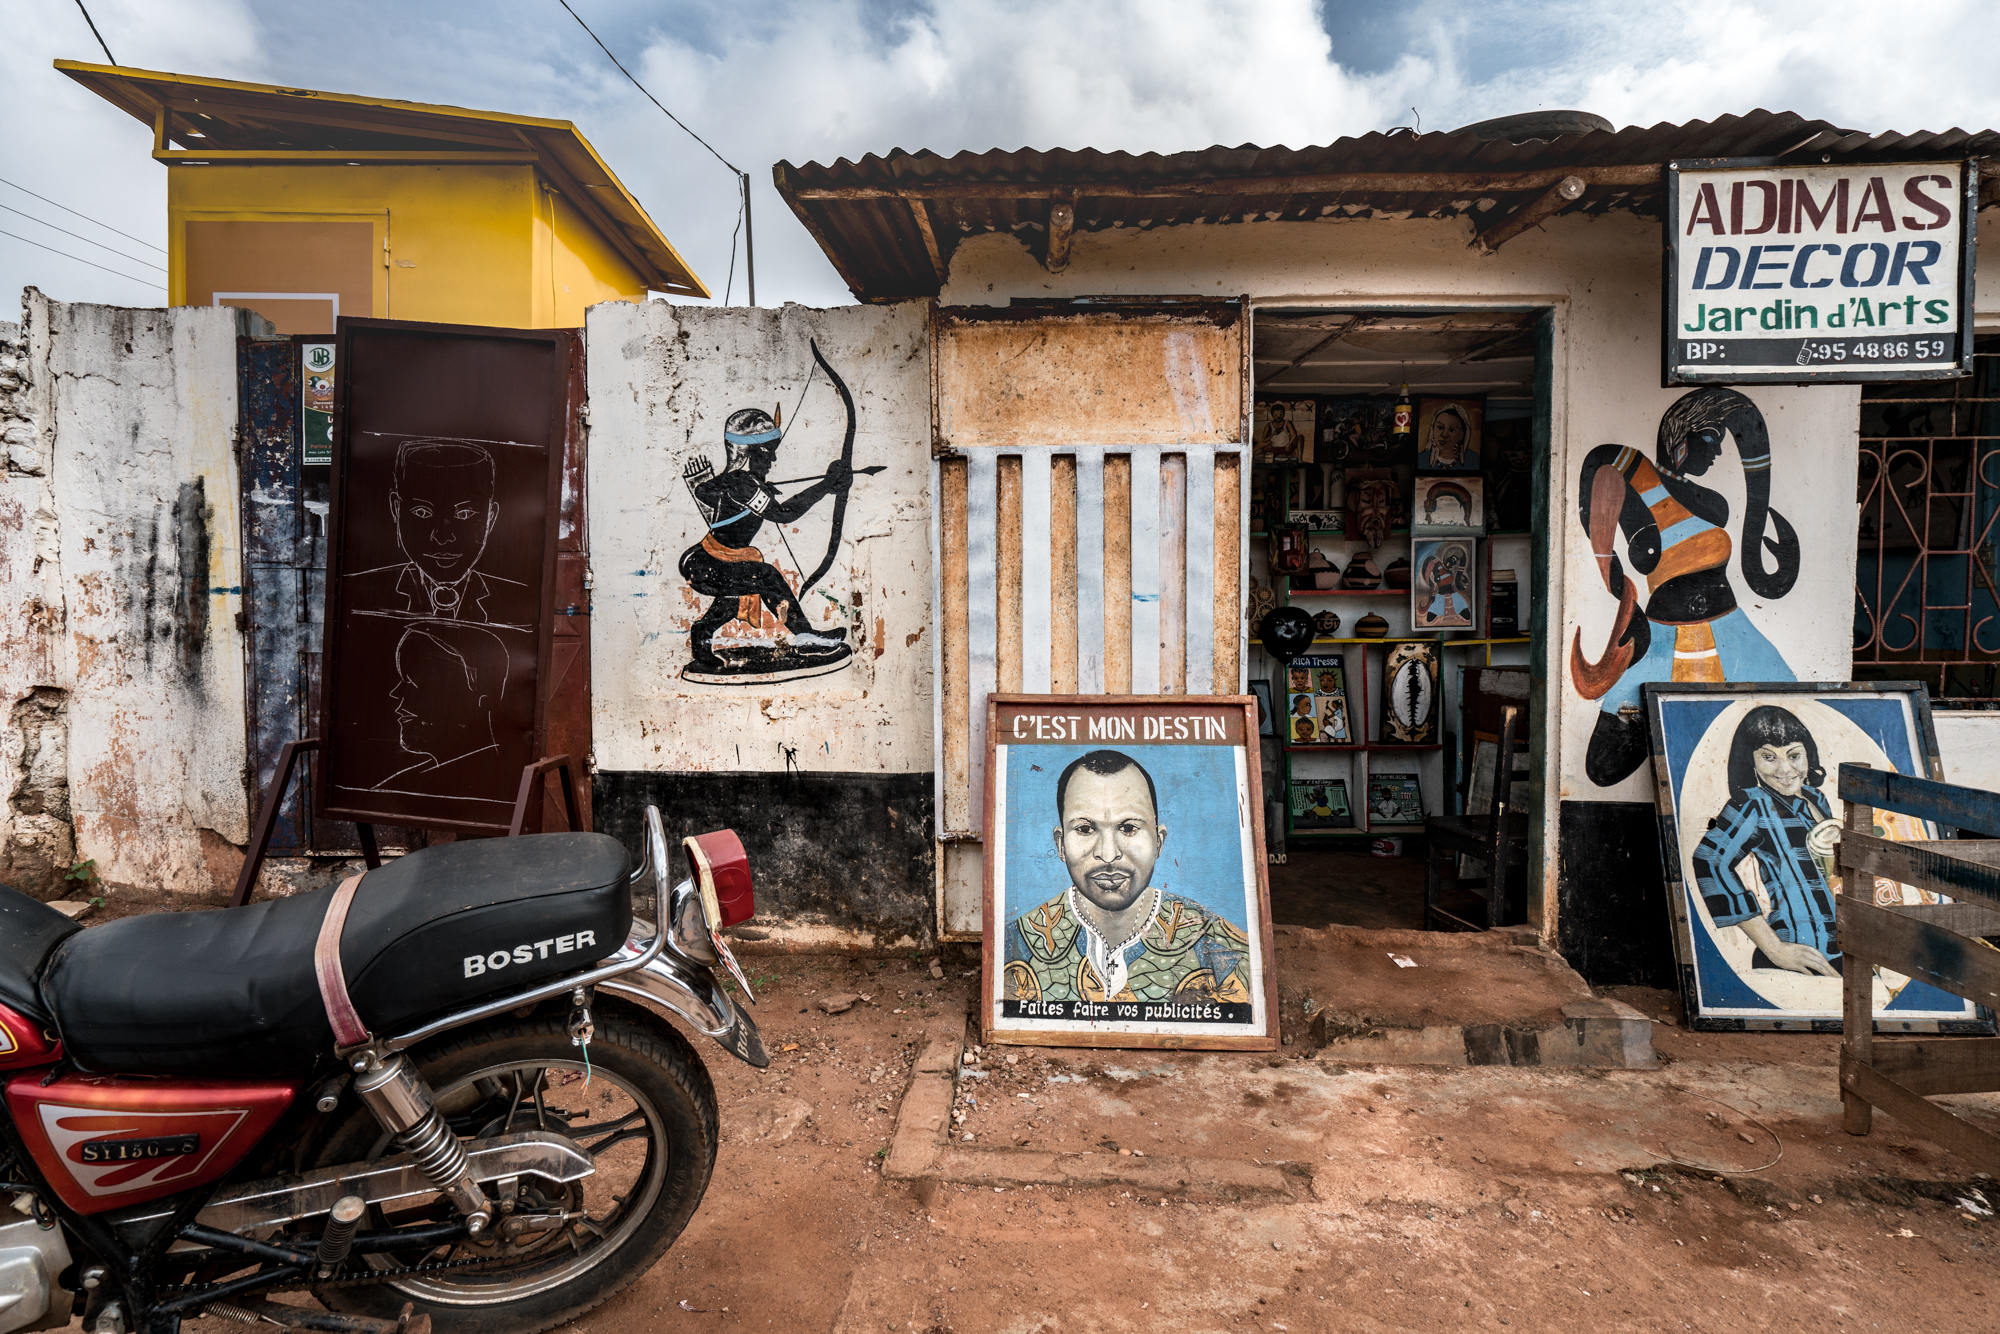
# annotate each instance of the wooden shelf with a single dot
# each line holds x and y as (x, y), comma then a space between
(1349, 592)
(1364, 745)
(1314, 745)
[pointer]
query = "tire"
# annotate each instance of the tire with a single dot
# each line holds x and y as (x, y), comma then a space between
(653, 1163)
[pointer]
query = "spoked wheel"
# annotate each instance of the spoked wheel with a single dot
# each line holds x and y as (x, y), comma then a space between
(643, 1109)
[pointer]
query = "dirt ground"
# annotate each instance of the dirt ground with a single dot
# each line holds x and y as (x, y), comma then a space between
(1421, 1198)
(1410, 1198)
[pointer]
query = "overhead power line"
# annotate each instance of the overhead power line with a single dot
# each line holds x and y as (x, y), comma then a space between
(95, 33)
(81, 260)
(742, 177)
(85, 239)
(85, 216)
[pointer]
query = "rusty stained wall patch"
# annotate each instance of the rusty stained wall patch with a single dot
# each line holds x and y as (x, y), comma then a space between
(1107, 377)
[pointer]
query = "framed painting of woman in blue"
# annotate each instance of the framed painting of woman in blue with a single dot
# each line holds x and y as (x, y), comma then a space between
(1749, 823)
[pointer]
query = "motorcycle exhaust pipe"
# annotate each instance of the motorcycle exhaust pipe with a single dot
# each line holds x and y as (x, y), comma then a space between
(402, 1103)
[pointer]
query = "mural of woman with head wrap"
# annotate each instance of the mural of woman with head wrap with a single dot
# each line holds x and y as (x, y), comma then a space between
(1677, 536)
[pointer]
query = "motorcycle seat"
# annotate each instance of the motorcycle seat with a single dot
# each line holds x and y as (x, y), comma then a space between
(233, 993)
(29, 930)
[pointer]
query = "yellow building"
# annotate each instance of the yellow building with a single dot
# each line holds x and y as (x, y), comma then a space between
(305, 206)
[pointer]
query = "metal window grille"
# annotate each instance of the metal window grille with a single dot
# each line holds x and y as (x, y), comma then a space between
(1926, 600)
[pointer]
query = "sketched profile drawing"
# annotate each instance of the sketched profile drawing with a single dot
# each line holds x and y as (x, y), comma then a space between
(449, 680)
(443, 502)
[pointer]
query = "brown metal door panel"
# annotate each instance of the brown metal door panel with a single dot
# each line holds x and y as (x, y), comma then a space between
(452, 447)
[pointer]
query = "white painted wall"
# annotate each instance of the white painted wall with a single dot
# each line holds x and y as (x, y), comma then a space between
(663, 378)
(1969, 745)
(127, 410)
(1601, 277)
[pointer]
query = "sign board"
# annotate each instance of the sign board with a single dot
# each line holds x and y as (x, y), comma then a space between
(446, 491)
(316, 404)
(1818, 274)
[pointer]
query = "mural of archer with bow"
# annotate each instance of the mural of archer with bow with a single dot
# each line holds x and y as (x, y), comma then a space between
(735, 504)
(1677, 536)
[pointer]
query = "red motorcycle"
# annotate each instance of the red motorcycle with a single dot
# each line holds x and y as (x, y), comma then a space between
(442, 1095)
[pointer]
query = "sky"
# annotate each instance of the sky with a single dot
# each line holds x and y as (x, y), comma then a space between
(817, 80)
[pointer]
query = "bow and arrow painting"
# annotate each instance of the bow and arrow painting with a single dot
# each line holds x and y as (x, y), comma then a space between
(1677, 537)
(735, 567)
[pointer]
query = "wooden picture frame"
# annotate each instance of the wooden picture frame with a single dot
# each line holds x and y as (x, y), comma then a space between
(1748, 837)
(428, 653)
(1198, 969)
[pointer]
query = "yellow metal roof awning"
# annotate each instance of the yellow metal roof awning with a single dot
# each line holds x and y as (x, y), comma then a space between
(197, 120)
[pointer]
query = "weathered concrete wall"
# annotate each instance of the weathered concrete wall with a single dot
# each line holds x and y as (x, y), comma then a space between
(827, 776)
(121, 660)
(1601, 280)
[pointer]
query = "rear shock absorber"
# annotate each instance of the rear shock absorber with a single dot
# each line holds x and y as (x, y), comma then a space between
(402, 1103)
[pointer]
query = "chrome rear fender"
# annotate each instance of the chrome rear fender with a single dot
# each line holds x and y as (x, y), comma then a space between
(674, 981)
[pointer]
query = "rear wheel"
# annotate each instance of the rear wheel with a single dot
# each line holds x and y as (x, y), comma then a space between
(643, 1108)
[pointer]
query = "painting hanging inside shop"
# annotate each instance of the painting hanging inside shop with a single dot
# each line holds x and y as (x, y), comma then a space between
(1320, 803)
(755, 630)
(1126, 904)
(1317, 701)
(1410, 693)
(1443, 506)
(1283, 432)
(1395, 799)
(1448, 434)
(1745, 779)
(1356, 429)
(1441, 592)
(1677, 538)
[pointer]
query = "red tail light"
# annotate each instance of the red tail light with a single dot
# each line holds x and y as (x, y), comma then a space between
(722, 870)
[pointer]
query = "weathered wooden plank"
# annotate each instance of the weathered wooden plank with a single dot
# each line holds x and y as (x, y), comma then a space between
(982, 555)
(1930, 1066)
(1198, 643)
(1062, 575)
(1227, 625)
(955, 723)
(1389, 182)
(1933, 1122)
(1173, 574)
(1962, 965)
(1145, 571)
(1117, 574)
(1984, 851)
(1007, 572)
(1920, 865)
(1857, 983)
(1090, 566)
(1037, 626)
(1942, 803)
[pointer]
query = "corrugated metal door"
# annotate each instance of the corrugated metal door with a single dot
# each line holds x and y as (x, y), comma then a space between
(1090, 461)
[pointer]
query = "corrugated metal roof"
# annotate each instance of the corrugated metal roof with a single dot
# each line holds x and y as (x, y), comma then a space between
(870, 216)
(221, 121)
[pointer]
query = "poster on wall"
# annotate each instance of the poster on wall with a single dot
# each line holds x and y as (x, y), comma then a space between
(1750, 824)
(1283, 430)
(315, 403)
(1125, 898)
(1818, 274)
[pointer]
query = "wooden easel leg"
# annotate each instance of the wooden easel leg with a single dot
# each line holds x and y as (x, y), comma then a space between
(267, 819)
(370, 854)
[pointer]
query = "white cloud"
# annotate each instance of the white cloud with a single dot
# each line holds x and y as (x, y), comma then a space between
(817, 81)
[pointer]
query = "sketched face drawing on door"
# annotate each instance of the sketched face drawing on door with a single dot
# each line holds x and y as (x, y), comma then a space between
(449, 680)
(443, 504)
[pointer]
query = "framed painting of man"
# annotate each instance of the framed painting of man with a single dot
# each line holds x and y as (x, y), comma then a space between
(1749, 824)
(1125, 895)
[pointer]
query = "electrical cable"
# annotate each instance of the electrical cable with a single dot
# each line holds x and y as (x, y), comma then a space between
(85, 239)
(95, 33)
(641, 87)
(730, 285)
(85, 216)
(742, 177)
(81, 260)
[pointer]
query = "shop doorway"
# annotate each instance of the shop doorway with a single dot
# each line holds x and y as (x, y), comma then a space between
(1423, 556)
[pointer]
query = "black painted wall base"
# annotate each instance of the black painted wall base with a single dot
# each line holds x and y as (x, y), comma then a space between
(848, 850)
(1611, 901)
